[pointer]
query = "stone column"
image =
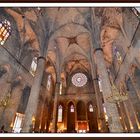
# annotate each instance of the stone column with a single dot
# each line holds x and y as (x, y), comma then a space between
(10, 111)
(136, 88)
(65, 115)
(101, 120)
(128, 116)
(135, 98)
(111, 108)
(54, 119)
(122, 116)
(131, 115)
(100, 112)
(42, 109)
(33, 98)
(39, 116)
(4, 89)
(76, 120)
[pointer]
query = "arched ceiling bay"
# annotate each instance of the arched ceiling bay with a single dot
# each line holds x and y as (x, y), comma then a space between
(73, 33)
(111, 22)
(68, 40)
(74, 65)
(50, 68)
(26, 32)
(69, 35)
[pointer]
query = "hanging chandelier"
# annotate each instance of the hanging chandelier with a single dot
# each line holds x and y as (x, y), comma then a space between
(116, 96)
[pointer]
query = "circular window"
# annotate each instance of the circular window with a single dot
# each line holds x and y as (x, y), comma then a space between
(79, 79)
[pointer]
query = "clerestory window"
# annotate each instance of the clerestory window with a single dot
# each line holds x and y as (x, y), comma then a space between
(5, 31)
(90, 108)
(60, 111)
(71, 108)
(33, 66)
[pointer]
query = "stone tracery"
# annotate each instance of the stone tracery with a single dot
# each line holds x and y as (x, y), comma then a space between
(79, 79)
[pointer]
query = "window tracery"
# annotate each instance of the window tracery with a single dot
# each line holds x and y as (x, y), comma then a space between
(49, 82)
(18, 123)
(71, 108)
(33, 66)
(105, 113)
(60, 91)
(79, 79)
(118, 55)
(60, 111)
(5, 31)
(100, 84)
(90, 108)
(136, 11)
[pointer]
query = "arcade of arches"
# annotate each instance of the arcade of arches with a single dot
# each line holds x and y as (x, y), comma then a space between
(70, 70)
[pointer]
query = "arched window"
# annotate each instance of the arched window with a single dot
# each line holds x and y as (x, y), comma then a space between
(90, 108)
(60, 111)
(5, 31)
(100, 84)
(49, 82)
(33, 66)
(105, 114)
(136, 11)
(60, 91)
(18, 122)
(118, 55)
(71, 108)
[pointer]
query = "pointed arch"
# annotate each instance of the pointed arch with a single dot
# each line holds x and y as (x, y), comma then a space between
(92, 117)
(81, 110)
(70, 117)
(5, 31)
(60, 113)
(90, 107)
(33, 66)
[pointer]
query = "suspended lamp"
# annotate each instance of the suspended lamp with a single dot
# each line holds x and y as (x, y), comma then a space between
(116, 96)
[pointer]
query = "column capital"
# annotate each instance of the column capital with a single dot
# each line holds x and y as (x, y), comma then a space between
(41, 57)
(98, 49)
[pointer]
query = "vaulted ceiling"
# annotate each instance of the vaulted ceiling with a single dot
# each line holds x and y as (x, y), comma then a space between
(67, 33)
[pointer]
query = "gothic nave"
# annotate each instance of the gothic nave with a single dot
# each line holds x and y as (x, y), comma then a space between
(69, 70)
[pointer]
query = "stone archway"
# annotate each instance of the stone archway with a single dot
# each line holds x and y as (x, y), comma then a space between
(82, 124)
(71, 117)
(92, 117)
(81, 111)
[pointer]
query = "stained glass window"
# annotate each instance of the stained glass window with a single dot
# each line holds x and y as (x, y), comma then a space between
(117, 54)
(105, 114)
(60, 92)
(136, 11)
(18, 123)
(60, 111)
(5, 31)
(100, 84)
(90, 108)
(79, 79)
(71, 108)
(49, 82)
(33, 66)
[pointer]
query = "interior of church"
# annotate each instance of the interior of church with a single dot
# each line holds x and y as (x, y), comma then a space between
(69, 70)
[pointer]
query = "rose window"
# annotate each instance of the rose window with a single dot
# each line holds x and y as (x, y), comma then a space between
(79, 79)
